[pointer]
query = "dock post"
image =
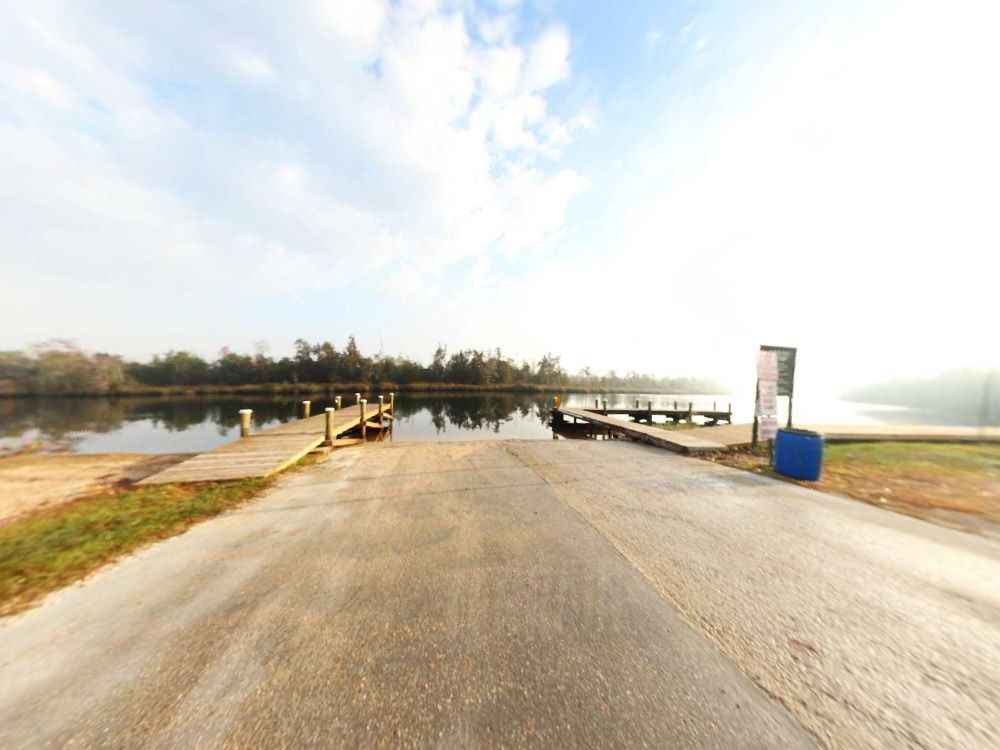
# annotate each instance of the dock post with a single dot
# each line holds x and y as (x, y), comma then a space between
(690, 412)
(381, 410)
(675, 406)
(336, 402)
(357, 398)
(637, 403)
(306, 409)
(597, 404)
(605, 402)
(363, 403)
(329, 423)
(651, 412)
(245, 422)
(392, 403)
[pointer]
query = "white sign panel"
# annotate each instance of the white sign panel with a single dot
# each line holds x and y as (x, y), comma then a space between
(767, 366)
(767, 397)
(767, 428)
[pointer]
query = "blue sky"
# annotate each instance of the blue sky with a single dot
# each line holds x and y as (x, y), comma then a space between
(643, 185)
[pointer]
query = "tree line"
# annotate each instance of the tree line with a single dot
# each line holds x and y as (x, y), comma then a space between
(60, 367)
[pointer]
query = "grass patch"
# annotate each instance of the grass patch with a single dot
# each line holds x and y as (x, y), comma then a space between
(940, 458)
(59, 545)
(933, 481)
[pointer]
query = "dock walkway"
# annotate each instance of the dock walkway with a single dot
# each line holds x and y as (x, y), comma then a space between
(266, 452)
(729, 436)
(684, 441)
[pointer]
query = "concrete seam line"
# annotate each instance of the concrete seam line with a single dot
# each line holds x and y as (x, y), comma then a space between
(681, 612)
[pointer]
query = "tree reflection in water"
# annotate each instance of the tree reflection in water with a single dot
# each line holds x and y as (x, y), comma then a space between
(61, 423)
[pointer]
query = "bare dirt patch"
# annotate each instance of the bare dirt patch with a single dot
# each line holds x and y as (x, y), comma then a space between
(31, 481)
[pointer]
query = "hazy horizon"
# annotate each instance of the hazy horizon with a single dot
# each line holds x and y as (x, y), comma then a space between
(637, 187)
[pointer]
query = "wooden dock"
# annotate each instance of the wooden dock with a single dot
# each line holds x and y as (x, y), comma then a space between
(682, 441)
(270, 451)
(679, 413)
(727, 437)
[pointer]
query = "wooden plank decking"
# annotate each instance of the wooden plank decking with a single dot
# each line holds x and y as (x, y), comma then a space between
(267, 452)
(725, 437)
(682, 441)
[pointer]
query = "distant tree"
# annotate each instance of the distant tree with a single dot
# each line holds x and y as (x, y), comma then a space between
(437, 369)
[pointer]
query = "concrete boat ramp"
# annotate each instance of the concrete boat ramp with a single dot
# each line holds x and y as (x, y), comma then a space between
(544, 594)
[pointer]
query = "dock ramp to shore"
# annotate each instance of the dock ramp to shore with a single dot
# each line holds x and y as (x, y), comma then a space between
(269, 451)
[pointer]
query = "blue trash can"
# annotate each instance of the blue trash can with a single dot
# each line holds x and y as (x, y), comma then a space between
(798, 454)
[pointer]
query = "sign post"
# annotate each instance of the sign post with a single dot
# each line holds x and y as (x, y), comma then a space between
(775, 377)
(786, 372)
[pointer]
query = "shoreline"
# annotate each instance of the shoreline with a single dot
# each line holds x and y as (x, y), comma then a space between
(297, 389)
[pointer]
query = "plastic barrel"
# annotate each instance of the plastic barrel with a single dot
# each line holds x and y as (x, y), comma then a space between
(798, 454)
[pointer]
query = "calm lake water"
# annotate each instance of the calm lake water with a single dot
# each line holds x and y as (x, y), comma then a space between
(183, 425)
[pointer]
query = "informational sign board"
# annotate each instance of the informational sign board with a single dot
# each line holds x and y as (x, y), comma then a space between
(767, 365)
(775, 377)
(767, 398)
(785, 357)
(767, 428)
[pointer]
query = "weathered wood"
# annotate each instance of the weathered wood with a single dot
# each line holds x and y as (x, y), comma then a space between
(676, 440)
(245, 415)
(264, 453)
(328, 434)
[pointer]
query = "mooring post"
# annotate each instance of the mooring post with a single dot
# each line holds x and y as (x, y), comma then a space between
(651, 412)
(381, 410)
(392, 403)
(605, 402)
(357, 398)
(597, 403)
(329, 423)
(362, 404)
(245, 422)
(336, 402)
(690, 412)
(306, 408)
(637, 403)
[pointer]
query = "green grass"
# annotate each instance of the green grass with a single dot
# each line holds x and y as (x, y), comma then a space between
(60, 545)
(944, 458)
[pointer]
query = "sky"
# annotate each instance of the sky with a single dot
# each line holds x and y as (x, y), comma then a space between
(652, 186)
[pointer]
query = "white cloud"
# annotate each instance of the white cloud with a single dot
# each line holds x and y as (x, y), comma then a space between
(849, 208)
(354, 24)
(548, 59)
(250, 65)
(363, 138)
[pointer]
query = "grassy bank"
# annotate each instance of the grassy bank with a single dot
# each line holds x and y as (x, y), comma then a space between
(956, 484)
(59, 545)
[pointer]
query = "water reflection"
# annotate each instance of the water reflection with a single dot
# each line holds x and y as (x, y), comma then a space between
(165, 425)
(92, 425)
